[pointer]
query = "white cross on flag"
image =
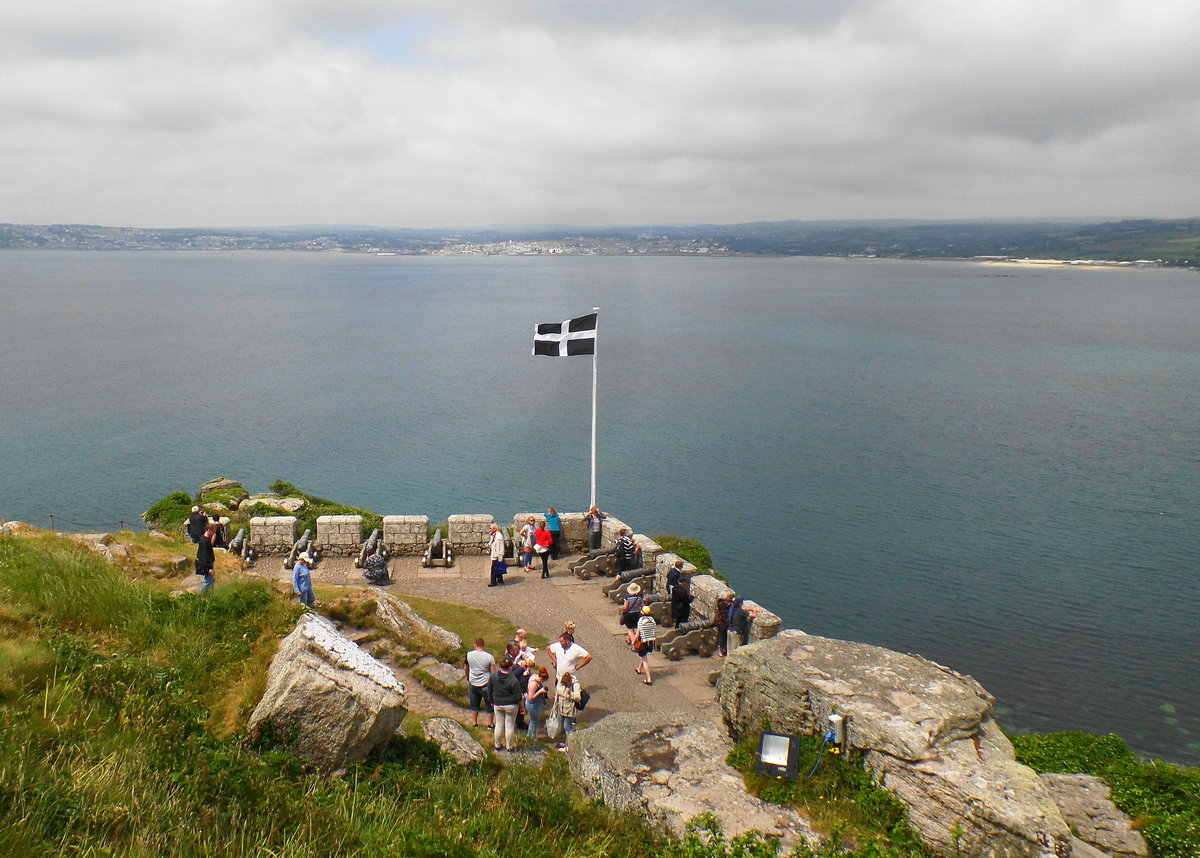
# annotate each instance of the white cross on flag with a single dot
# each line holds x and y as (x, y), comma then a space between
(560, 339)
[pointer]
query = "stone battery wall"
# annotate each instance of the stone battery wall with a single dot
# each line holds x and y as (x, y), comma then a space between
(707, 589)
(469, 533)
(339, 535)
(574, 533)
(662, 566)
(406, 535)
(272, 534)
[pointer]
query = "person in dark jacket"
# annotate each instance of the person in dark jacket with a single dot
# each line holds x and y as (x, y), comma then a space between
(506, 688)
(721, 621)
(196, 522)
(206, 558)
(681, 601)
(673, 576)
(740, 618)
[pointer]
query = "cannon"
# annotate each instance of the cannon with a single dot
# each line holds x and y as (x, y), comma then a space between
(699, 637)
(303, 545)
(600, 564)
(240, 546)
(370, 546)
(617, 589)
(372, 558)
(438, 551)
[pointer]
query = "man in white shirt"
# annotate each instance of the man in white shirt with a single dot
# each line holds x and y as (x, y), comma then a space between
(567, 656)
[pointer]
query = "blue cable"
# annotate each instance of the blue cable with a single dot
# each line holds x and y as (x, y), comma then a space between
(828, 737)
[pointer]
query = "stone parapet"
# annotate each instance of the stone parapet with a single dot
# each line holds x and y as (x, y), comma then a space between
(272, 534)
(707, 589)
(339, 535)
(662, 565)
(406, 535)
(650, 552)
(469, 533)
(574, 533)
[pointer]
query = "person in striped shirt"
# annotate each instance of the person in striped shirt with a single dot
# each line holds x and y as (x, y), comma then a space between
(647, 631)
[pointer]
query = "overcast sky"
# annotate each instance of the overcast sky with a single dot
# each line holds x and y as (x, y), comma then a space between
(420, 114)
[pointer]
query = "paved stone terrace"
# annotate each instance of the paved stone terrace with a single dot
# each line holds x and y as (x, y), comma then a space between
(543, 606)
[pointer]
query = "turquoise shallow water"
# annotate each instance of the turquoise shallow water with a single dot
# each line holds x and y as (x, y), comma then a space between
(994, 467)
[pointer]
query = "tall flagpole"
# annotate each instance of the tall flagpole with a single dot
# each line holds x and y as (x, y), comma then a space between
(595, 348)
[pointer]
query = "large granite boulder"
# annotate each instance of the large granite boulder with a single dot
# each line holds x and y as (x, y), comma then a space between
(455, 740)
(925, 731)
(1086, 804)
(669, 767)
(399, 617)
(339, 702)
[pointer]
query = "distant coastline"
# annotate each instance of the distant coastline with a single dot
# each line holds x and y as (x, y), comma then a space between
(1034, 242)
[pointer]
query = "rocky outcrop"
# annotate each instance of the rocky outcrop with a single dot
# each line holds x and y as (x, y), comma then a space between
(669, 768)
(455, 740)
(400, 618)
(1086, 805)
(337, 702)
(925, 731)
(275, 502)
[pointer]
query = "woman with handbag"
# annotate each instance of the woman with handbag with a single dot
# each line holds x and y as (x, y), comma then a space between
(631, 611)
(566, 706)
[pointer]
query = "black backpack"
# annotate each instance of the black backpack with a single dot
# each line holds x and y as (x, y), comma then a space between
(584, 697)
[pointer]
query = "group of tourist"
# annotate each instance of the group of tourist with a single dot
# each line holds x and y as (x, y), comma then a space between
(516, 688)
(539, 537)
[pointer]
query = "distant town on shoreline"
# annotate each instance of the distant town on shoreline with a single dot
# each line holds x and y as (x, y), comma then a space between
(1161, 242)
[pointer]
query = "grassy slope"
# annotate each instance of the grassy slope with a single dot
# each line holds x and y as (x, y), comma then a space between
(113, 696)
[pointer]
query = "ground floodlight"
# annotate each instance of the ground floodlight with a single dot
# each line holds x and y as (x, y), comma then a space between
(778, 755)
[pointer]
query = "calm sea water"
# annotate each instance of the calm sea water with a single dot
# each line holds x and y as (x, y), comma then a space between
(994, 467)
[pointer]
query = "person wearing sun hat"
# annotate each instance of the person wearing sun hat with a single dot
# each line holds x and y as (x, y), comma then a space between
(631, 608)
(302, 580)
(643, 645)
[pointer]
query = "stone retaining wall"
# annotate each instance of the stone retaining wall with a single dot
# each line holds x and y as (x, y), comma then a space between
(272, 534)
(339, 535)
(406, 535)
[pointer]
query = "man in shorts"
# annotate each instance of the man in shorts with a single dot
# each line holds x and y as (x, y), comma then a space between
(478, 670)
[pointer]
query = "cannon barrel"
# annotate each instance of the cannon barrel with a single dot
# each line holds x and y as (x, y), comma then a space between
(301, 546)
(368, 548)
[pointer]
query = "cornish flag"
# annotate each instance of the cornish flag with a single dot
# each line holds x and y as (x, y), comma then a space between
(572, 337)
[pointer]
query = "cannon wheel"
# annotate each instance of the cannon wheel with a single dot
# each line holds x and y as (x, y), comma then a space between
(671, 651)
(449, 556)
(706, 649)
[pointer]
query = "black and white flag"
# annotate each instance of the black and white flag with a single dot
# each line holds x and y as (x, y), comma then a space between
(573, 337)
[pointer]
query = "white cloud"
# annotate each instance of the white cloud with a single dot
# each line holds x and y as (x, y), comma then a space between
(411, 114)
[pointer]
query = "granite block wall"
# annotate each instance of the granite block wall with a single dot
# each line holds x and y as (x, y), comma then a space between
(339, 535)
(469, 533)
(406, 535)
(272, 534)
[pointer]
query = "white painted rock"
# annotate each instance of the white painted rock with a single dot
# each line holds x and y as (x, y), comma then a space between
(340, 702)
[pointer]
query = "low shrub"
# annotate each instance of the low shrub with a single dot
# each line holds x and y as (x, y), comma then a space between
(171, 511)
(1164, 797)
